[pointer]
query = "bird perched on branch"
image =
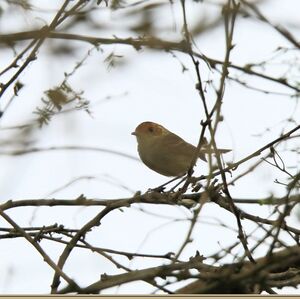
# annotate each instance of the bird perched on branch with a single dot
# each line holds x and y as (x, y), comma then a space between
(164, 151)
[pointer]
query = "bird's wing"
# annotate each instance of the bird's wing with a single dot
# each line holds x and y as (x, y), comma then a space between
(177, 145)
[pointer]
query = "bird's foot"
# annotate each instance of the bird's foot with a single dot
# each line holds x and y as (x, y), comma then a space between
(159, 189)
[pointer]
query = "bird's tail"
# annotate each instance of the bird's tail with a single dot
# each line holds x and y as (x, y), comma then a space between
(219, 150)
(205, 149)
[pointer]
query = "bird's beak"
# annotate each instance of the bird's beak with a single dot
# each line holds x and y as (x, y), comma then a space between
(133, 133)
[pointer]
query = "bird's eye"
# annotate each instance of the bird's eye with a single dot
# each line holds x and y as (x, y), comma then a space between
(150, 129)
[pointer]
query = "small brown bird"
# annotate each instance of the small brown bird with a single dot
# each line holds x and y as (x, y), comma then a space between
(164, 151)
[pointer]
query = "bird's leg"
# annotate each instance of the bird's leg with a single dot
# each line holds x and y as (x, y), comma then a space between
(161, 188)
(183, 179)
(190, 172)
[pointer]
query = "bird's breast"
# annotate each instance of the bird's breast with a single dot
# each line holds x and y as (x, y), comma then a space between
(163, 159)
